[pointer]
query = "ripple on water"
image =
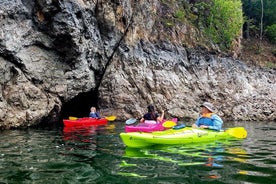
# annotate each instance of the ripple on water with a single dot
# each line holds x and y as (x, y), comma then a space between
(97, 155)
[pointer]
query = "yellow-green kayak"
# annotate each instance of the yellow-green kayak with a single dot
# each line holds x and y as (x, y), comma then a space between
(186, 135)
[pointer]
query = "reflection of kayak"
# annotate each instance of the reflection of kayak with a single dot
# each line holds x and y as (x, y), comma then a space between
(78, 132)
(181, 136)
(84, 130)
(144, 153)
(84, 122)
(147, 126)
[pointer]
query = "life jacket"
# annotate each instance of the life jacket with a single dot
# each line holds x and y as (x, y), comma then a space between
(94, 115)
(206, 119)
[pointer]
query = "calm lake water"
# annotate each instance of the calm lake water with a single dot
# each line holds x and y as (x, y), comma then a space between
(97, 155)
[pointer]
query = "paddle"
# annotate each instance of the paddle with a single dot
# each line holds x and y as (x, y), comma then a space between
(169, 124)
(238, 132)
(72, 118)
(131, 121)
(110, 118)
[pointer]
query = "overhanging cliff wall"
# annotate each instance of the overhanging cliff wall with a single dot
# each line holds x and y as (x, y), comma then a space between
(125, 56)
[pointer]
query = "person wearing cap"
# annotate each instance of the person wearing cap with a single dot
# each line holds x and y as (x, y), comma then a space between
(208, 118)
(152, 115)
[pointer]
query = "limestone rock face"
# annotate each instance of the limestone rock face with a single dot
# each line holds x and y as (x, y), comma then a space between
(180, 82)
(124, 52)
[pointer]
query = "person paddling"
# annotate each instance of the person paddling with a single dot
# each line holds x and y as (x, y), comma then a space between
(208, 118)
(152, 115)
(93, 113)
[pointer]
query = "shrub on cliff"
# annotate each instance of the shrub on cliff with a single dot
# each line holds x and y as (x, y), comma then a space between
(271, 33)
(222, 20)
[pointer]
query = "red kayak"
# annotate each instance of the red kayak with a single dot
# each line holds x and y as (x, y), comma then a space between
(84, 122)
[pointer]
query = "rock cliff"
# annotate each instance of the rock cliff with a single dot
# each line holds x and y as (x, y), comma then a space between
(61, 57)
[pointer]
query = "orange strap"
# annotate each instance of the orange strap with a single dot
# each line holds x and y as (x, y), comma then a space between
(207, 115)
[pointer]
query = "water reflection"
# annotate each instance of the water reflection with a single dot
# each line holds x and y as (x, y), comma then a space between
(251, 160)
(97, 155)
(203, 156)
(84, 133)
(79, 138)
(79, 133)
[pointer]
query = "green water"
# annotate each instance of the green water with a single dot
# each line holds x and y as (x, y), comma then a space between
(97, 155)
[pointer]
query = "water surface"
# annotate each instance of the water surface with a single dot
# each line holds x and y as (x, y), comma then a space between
(97, 155)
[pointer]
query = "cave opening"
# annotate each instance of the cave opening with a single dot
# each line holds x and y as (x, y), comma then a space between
(80, 105)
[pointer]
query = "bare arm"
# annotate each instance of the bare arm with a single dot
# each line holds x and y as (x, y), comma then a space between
(194, 125)
(160, 118)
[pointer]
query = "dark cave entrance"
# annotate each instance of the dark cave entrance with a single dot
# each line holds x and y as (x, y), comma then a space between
(80, 105)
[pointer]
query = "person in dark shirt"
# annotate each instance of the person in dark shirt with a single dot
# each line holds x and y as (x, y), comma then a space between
(152, 115)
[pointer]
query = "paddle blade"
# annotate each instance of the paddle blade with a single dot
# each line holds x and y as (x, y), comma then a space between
(131, 121)
(169, 124)
(72, 118)
(238, 132)
(110, 118)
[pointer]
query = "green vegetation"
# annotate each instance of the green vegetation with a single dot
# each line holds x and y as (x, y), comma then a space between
(271, 33)
(256, 22)
(222, 20)
(180, 15)
(260, 30)
(221, 23)
(269, 64)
